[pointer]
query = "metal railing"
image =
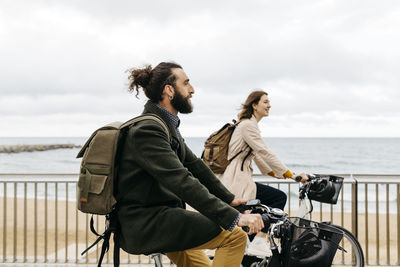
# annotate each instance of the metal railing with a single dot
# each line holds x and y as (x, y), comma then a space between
(39, 222)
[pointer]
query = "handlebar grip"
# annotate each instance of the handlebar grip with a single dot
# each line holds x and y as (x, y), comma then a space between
(310, 177)
(241, 208)
(266, 219)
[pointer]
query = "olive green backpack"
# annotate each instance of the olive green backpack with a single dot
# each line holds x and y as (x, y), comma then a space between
(98, 175)
(98, 166)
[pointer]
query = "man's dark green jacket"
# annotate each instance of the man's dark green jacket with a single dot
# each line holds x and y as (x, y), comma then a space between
(156, 178)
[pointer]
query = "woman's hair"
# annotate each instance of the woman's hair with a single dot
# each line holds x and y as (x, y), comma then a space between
(247, 107)
(151, 80)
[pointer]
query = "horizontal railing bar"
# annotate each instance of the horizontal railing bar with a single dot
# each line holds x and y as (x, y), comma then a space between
(39, 174)
(39, 178)
(368, 176)
(73, 177)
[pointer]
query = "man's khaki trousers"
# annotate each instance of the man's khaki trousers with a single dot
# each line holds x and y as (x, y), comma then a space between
(230, 247)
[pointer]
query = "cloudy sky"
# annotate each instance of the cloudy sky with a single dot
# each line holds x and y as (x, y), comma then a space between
(331, 68)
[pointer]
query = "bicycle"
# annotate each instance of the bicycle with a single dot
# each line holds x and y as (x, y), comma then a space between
(302, 230)
(302, 241)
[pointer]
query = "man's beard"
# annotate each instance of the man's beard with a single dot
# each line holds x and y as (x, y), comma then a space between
(180, 103)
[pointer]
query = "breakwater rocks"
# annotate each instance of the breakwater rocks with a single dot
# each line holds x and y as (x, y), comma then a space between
(31, 148)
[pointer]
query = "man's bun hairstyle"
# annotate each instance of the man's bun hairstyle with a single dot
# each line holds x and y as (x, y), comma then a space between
(152, 81)
(139, 78)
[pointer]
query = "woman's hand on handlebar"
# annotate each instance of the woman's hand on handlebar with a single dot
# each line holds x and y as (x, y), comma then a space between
(253, 221)
(302, 177)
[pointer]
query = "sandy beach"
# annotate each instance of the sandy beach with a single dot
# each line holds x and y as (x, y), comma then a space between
(56, 231)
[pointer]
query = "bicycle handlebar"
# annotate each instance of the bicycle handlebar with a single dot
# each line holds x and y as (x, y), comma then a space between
(310, 177)
(268, 215)
(272, 215)
(266, 222)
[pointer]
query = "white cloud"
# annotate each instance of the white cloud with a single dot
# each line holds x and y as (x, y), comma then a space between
(330, 63)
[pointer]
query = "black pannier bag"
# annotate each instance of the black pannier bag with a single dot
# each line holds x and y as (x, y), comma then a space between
(310, 244)
(327, 190)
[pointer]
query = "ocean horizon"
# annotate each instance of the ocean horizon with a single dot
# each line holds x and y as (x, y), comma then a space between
(352, 155)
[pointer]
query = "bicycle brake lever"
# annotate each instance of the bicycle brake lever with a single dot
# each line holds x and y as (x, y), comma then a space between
(250, 204)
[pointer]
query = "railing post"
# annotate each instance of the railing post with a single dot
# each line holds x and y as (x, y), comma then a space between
(4, 221)
(366, 251)
(387, 226)
(377, 223)
(15, 220)
(398, 222)
(354, 201)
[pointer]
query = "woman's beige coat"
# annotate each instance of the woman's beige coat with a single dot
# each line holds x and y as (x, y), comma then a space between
(239, 182)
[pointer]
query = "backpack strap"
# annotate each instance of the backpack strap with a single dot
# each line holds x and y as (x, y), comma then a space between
(116, 248)
(153, 117)
(111, 227)
(123, 131)
(105, 237)
(237, 154)
(248, 154)
(244, 159)
(235, 124)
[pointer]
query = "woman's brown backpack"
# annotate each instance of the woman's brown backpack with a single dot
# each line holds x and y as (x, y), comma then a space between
(215, 153)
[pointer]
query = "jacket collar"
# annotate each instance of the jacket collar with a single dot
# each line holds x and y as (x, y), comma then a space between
(253, 118)
(151, 107)
(174, 119)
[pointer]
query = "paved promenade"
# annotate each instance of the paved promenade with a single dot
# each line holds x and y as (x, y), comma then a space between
(108, 265)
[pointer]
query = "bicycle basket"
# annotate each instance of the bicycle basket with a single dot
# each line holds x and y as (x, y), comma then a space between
(326, 190)
(310, 243)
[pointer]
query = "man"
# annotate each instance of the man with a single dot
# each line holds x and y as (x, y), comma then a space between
(157, 176)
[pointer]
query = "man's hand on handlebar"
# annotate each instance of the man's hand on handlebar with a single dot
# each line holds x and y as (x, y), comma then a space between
(301, 177)
(237, 202)
(253, 221)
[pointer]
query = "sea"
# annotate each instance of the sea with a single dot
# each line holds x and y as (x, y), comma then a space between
(309, 155)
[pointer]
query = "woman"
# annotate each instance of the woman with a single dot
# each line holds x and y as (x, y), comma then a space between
(247, 145)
